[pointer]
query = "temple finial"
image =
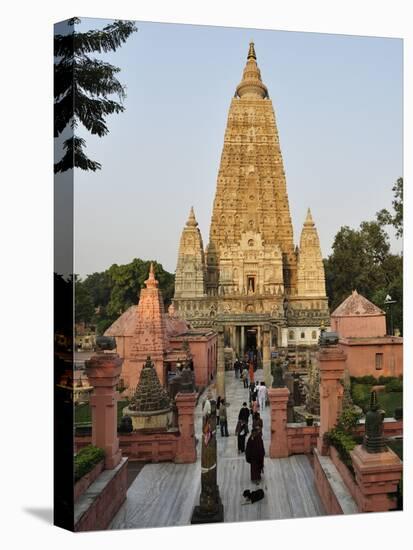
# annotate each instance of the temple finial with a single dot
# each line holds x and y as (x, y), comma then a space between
(151, 281)
(191, 218)
(309, 218)
(251, 51)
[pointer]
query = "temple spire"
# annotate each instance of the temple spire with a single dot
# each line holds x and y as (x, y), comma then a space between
(309, 219)
(151, 281)
(191, 218)
(251, 85)
(251, 51)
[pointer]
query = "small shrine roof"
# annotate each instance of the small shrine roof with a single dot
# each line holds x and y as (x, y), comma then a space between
(356, 305)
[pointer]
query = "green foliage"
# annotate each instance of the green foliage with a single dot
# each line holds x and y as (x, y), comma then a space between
(396, 220)
(113, 291)
(83, 414)
(82, 86)
(361, 260)
(348, 420)
(368, 379)
(394, 385)
(344, 443)
(86, 459)
(389, 400)
(84, 308)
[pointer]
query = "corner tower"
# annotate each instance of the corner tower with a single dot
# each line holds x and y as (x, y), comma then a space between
(310, 275)
(190, 269)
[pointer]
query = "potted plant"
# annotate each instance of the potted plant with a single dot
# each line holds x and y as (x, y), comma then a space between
(309, 420)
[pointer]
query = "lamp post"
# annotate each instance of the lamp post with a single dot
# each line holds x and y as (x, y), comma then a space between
(389, 302)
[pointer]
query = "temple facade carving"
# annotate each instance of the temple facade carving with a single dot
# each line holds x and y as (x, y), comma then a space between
(252, 280)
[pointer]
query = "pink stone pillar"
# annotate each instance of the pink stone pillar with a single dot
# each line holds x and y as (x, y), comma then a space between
(279, 442)
(377, 476)
(186, 451)
(331, 362)
(221, 363)
(103, 371)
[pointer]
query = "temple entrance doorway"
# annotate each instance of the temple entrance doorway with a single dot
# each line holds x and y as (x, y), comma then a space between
(251, 343)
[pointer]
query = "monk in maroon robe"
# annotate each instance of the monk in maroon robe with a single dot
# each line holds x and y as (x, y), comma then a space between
(254, 454)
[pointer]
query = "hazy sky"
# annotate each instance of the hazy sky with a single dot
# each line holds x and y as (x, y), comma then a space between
(338, 107)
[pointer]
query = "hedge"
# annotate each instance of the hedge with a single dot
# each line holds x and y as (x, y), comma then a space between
(86, 459)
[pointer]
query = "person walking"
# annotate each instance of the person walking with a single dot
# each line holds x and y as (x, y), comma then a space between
(244, 376)
(223, 422)
(237, 368)
(241, 431)
(244, 413)
(254, 455)
(218, 405)
(262, 395)
(257, 422)
(251, 372)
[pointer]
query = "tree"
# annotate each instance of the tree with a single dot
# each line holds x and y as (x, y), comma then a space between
(82, 87)
(356, 262)
(396, 220)
(84, 308)
(361, 260)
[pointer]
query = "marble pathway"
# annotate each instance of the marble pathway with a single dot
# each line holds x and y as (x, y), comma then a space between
(165, 494)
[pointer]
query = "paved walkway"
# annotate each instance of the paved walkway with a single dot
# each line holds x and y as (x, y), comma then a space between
(165, 494)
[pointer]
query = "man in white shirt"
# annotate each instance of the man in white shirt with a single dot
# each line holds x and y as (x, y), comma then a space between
(262, 395)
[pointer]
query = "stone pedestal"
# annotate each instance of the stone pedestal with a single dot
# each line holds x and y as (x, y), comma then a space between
(331, 364)
(377, 476)
(279, 442)
(266, 357)
(221, 364)
(186, 448)
(103, 371)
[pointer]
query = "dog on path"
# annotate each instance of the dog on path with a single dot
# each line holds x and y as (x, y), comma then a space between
(253, 496)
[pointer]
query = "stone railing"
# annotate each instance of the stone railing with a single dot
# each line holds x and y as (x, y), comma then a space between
(301, 438)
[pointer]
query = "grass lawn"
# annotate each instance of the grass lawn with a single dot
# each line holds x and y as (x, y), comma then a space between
(387, 400)
(83, 414)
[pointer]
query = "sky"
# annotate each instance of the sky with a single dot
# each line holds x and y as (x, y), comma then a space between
(338, 107)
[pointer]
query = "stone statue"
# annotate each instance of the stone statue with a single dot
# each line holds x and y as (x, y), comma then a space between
(105, 343)
(373, 440)
(126, 425)
(210, 509)
(277, 374)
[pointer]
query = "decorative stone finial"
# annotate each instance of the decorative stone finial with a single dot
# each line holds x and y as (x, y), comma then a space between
(251, 84)
(151, 281)
(251, 51)
(191, 219)
(309, 219)
(373, 440)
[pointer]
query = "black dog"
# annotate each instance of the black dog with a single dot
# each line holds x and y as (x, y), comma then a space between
(253, 496)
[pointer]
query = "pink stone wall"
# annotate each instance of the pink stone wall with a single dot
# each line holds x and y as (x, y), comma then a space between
(346, 476)
(301, 439)
(83, 483)
(104, 507)
(360, 327)
(361, 358)
(146, 447)
(204, 359)
(327, 496)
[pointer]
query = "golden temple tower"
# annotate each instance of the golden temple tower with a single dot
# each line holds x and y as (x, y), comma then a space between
(259, 291)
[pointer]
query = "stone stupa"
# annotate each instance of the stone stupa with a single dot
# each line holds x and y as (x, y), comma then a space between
(150, 406)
